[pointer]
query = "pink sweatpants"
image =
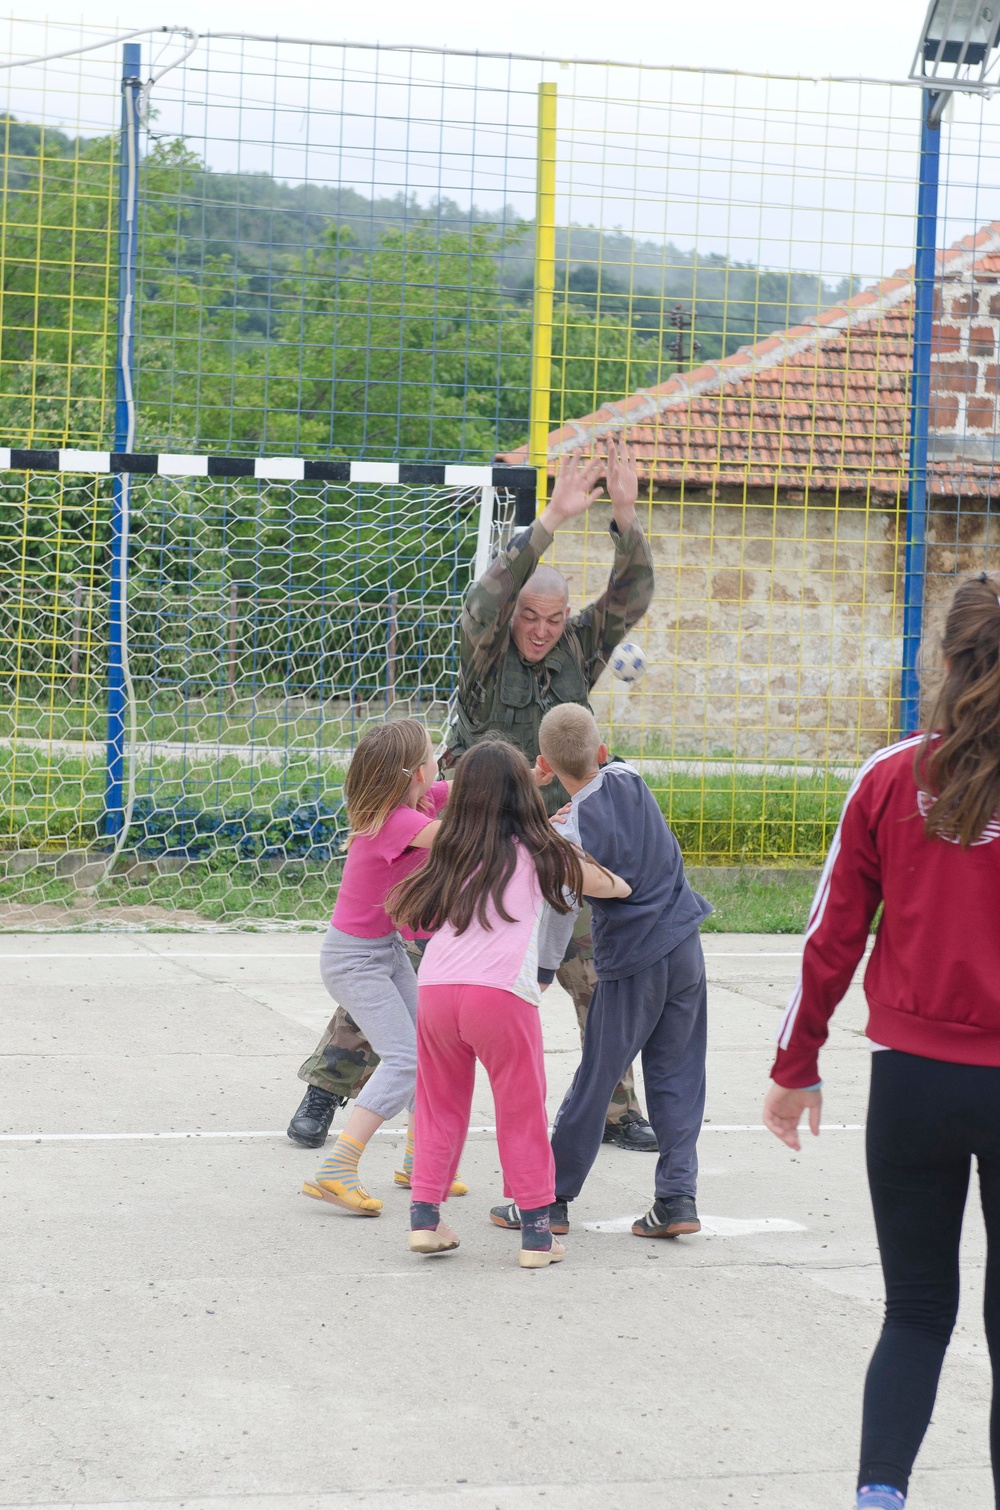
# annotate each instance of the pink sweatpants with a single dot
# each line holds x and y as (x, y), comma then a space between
(456, 1025)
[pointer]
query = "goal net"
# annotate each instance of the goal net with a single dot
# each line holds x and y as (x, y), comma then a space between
(267, 622)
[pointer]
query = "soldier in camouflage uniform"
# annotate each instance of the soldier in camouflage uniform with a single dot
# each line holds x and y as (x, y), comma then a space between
(522, 652)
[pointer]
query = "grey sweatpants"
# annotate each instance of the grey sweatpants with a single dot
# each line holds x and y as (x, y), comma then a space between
(373, 980)
(660, 1012)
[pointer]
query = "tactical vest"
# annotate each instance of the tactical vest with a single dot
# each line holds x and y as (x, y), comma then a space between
(511, 702)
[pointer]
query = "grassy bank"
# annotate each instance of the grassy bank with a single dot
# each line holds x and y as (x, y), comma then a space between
(235, 820)
(753, 820)
(245, 896)
(749, 905)
(732, 818)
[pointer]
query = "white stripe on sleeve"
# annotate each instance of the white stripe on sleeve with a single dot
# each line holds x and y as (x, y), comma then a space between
(818, 909)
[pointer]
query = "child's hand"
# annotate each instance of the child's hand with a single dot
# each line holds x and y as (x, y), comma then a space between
(562, 816)
(783, 1111)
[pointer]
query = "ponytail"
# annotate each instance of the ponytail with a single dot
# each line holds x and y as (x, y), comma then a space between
(957, 764)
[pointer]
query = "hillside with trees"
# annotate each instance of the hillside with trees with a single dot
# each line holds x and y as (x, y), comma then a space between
(278, 316)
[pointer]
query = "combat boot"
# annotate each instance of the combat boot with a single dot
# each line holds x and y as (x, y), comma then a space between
(311, 1122)
(632, 1132)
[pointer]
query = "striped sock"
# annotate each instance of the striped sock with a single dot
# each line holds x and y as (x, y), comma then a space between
(405, 1175)
(342, 1164)
(880, 1497)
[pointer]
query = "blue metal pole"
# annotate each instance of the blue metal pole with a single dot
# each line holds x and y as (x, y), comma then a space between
(128, 209)
(920, 394)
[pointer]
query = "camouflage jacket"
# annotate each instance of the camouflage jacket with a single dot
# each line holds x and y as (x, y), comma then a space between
(497, 689)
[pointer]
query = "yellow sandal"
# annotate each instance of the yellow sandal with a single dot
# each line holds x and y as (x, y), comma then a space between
(353, 1198)
(402, 1179)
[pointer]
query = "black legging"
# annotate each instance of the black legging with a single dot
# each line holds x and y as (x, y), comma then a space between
(926, 1120)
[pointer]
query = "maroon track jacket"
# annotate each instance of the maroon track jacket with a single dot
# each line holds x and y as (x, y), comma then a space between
(933, 978)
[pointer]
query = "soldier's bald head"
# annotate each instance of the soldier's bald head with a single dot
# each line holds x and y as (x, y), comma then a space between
(546, 582)
(540, 613)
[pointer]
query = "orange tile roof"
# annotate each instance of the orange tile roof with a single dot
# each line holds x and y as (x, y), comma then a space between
(825, 404)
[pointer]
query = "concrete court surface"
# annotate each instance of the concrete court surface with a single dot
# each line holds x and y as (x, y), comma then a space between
(180, 1328)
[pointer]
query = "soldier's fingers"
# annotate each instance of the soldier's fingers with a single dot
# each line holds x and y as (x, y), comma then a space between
(594, 494)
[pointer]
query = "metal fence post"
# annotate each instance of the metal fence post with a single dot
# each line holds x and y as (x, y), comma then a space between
(128, 208)
(920, 393)
(545, 282)
(74, 664)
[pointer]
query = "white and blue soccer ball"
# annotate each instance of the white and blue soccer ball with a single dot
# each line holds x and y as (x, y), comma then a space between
(628, 661)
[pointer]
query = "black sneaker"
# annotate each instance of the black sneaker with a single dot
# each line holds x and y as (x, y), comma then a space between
(510, 1217)
(311, 1122)
(677, 1216)
(632, 1132)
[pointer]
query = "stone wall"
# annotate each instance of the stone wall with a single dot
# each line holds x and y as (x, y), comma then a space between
(775, 631)
(963, 538)
(965, 375)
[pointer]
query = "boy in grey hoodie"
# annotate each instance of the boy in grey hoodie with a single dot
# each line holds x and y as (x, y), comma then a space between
(650, 995)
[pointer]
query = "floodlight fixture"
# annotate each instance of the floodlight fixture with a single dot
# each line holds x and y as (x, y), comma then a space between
(957, 44)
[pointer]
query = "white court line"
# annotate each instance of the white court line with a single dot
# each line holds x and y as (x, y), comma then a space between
(154, 954)
(712, 1226)
(383, 1132)
(169, 954)
(759, 1127)
(128, 1137)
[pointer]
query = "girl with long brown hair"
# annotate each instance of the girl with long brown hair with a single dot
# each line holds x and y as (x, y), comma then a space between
(920, 835)
(393, 798)
(496, 863)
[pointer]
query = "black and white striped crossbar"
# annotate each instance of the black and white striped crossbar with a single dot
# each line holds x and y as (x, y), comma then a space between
(270, 468)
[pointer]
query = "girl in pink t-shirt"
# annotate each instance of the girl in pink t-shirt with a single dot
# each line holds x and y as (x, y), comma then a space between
(392, 804)
(494, 866)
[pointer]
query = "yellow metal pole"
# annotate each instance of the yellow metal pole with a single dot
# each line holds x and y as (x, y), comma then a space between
(545, 282)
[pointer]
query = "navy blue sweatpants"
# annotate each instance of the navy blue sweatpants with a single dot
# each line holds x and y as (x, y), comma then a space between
(660, 1012)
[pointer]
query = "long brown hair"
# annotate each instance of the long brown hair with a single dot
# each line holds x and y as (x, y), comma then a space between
(378, 777)
(957, 764)
(494, 800)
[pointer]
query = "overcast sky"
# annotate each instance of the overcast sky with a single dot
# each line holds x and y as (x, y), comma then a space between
(797, 202)
(872, 37)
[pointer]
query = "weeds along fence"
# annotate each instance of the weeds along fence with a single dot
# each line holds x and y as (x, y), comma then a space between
(277, 314)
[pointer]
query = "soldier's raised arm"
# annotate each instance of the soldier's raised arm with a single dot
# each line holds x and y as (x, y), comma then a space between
(601, 625)
(489, 603)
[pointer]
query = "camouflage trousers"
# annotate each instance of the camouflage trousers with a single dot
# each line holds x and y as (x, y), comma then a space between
(343, 1060)
(576, 975)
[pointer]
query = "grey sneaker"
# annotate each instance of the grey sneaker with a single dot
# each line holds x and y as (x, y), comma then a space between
(508, 1216)
(676, 1216)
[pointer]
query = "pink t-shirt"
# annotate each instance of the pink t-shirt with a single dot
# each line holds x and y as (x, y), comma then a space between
(505, 955)
(377, 863)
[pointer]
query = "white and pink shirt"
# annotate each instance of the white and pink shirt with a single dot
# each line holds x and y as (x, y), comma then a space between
(504, 955)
